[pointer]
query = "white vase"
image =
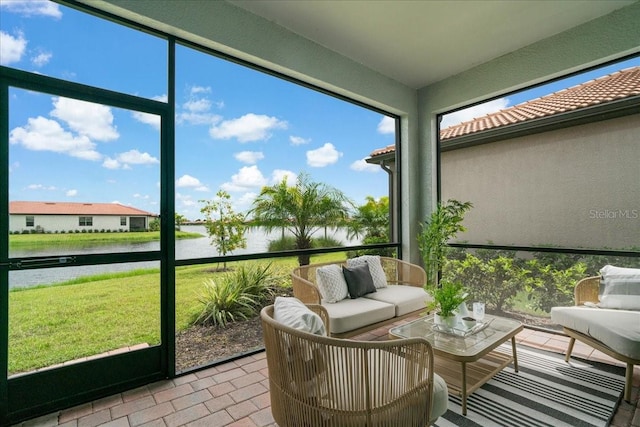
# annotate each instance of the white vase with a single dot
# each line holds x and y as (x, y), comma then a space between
(448, 321)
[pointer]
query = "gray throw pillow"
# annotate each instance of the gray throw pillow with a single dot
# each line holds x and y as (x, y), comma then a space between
(359, 281)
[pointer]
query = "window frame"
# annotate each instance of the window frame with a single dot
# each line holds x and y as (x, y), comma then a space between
(85, 221)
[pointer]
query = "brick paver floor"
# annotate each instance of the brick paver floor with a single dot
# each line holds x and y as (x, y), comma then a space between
(237, 394)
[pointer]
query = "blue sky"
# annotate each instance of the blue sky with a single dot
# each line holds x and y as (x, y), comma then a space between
(236, 129)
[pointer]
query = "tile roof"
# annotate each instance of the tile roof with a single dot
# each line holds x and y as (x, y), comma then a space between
(612, 87)
(68, 208)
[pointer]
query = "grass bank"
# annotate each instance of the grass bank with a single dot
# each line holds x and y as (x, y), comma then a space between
(92, 315)
(83, 239)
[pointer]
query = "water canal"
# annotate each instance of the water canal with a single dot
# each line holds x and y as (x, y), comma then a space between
(257, 242)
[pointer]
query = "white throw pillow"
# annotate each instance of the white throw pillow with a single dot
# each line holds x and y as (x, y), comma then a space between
(375, 268)
(292, 312)
(331, 283)
(620, 287)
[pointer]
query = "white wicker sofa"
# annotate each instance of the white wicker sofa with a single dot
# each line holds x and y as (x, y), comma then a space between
(608, 323)
(399, 294)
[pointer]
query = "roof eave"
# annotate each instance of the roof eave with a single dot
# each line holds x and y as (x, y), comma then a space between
(596, 113)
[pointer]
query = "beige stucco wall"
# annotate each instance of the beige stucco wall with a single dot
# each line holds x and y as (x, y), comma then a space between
(574, 187)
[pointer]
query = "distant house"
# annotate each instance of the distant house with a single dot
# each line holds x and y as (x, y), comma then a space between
(567, 162)
(71, 217)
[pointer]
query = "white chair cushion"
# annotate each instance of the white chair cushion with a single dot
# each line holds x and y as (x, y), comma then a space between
(331, 283)
(293, 313)
(375, 268)
(617, 329)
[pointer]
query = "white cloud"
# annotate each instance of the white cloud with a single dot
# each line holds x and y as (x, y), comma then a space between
(250, 127)
(247, 177)
(11, 48)
(387, 125)
(110, 163)
(474, 112)
(152, 120)
(32, 7)
(41, 59)
(363, 166)
(135, 157)
(93, 120)
(188, 181)
(41, 187)
(42, 134)
(72, 193)
(249, 157)
(185, 200)
(279, 174)
(298, 140)
(323, 156)
(244, 202)
(197, 105)
(200, 89)
(196, 110)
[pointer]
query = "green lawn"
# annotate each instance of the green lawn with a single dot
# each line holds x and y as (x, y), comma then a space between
(80, 318)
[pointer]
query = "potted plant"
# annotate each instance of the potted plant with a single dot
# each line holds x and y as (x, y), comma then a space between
(447, 299)
(443, 224)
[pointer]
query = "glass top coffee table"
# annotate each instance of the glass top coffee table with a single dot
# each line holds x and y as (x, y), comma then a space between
(466, 362)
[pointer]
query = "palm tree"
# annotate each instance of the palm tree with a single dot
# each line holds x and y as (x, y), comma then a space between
(371, 221)
(301, 209)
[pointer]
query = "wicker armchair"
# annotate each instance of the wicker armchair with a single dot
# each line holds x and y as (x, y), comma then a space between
(322, 381)
(586, 290)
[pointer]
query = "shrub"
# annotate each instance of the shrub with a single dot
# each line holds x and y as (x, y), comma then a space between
(549, 287)
(288, 243)
(285, 243)
(495, 281)
(235, 295)
(325, 242)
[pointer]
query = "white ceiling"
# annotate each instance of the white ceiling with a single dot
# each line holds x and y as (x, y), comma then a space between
(421, 42)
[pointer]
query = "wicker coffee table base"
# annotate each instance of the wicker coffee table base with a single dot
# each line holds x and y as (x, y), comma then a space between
(463, 378)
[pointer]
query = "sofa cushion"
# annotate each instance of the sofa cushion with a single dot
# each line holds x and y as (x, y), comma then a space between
(293, 313)
(359, 281)
(331, 283)
(375, 267)
(619, 287)
(350, 314)
(405, 298)
(617, 329)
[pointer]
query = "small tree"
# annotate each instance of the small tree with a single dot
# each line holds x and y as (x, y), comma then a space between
(225, 227)
(154, 225)
(180, 219)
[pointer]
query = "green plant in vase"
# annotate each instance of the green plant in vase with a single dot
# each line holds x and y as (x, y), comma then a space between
(447, 299)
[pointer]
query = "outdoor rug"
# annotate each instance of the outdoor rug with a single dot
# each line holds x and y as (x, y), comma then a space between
(546, 391)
